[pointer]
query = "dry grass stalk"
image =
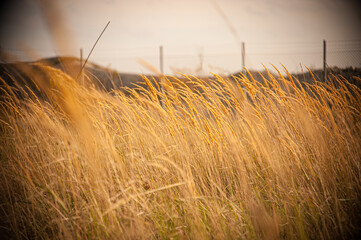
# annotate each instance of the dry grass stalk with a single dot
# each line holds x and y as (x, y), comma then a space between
(229, 158)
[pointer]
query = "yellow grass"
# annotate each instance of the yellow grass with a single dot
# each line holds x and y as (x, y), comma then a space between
(192, 159)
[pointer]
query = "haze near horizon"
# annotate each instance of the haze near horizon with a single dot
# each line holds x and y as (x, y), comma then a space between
(198, 35)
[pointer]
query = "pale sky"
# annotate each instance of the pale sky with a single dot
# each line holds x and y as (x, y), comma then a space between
(274, 31)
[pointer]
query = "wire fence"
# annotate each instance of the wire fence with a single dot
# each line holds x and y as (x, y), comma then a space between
(221, 59)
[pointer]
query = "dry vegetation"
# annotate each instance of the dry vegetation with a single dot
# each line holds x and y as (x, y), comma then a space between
(225, 159)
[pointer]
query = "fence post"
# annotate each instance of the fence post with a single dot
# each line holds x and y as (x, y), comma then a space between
(161, 59)
(324, 62)
(201, 58)
(160, 99)
(243, 56)
(81, 66)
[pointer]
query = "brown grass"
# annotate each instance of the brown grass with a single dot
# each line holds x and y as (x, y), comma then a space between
(225, 159)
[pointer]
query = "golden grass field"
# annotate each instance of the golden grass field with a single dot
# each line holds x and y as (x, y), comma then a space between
(182, 159)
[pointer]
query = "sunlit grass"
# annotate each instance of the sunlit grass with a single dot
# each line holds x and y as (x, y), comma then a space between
(183, 158)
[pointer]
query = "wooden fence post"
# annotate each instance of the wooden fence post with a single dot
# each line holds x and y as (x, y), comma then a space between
(324, 62)
(81, 66)
(243, 56)
(161, 59)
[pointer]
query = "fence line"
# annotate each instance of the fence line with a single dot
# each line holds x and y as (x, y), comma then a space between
(225, 57)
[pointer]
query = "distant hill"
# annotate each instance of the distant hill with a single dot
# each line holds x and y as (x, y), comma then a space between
(101, 77)
(20, 75)
(347, 73)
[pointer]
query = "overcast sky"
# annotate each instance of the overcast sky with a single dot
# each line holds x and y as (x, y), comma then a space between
(287, 31)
